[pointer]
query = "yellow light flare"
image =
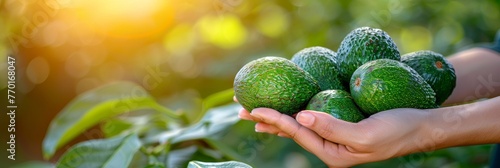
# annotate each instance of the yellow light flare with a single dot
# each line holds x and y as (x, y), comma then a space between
(273, 21)
(225, 31)
(126, 18)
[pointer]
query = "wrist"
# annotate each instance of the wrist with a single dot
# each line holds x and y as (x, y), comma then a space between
(443, 127)
(468, 124)
(431, 133)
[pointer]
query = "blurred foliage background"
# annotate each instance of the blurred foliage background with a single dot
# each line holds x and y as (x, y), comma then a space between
(184, 50)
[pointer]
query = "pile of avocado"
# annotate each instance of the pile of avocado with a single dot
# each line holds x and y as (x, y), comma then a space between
(367, 75)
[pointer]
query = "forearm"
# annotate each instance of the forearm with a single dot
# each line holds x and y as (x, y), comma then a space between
(477, 73)
(470, 124)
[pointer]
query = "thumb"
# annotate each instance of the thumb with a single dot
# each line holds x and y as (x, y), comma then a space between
(328, 127)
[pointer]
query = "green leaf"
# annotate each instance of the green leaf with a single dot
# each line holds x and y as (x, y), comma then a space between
(218, 98)
(113, 152)
(94, 106)
(213, 100)
(228, 164)
(154, 163)
(115, 127)
(181, 157)
(216, 121)
(224, 148)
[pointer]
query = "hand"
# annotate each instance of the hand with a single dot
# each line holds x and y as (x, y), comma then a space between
(342, 144)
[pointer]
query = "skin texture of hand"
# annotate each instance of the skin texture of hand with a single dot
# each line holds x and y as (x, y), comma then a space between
(383, 135)
(342, 144)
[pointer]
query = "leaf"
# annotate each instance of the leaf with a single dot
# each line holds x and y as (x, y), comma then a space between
(213, 100)
(224, 148)
(94, 106)
(113, 152)
(217, 120)
(153, 162)
(181, 157)
(228, 164)
(115, 127)
(218, 98)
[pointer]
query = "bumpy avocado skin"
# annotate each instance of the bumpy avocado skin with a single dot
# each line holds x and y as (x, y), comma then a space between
(385, 84)
(319, 62)
(337, 103)
(435, 69)
(362, 45)
(276, 83)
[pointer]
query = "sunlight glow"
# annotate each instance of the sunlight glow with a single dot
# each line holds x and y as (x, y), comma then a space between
(225, 31)
(273, 21)
(180, 40)
(126, 18)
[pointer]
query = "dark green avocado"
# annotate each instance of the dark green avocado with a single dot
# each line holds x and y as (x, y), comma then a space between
(276, 83)
(319, 63)
(436, 71)
(385, 84)
(363, 45)
(337, 103)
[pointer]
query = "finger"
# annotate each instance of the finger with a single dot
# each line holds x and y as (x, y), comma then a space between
(328, 127)
(284, 135)
(263, 127)
(245, 115)
(289, 127)
(234, 99)
(270, 129)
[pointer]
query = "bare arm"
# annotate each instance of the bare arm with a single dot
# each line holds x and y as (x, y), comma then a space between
(478, 75)
(469, 124)
(387, 134)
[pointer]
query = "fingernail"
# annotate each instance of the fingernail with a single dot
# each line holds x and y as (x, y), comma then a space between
(257, 130)
(305, 118)
(257, 117)
(240, 116)
(282, 135)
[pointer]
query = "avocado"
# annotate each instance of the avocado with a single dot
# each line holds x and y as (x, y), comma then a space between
(319, 63)
(385, 84)
(276, 83)
(362, 45)
(337, 103)
(436, 71)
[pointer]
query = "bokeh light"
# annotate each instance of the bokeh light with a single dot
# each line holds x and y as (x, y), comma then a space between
(272, 21)
(125, 18)
(225, 31)
(185, 50)
(38, 70)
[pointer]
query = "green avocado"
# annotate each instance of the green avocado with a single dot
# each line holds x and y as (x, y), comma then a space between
(319, 63)
(362, 45)
(337, 103)
(276, 83)
(436, 71)
(385, 84)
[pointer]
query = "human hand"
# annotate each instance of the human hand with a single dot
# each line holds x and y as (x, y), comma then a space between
(339, 143)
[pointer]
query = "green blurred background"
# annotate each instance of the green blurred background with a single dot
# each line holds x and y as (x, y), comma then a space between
(184, 50)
